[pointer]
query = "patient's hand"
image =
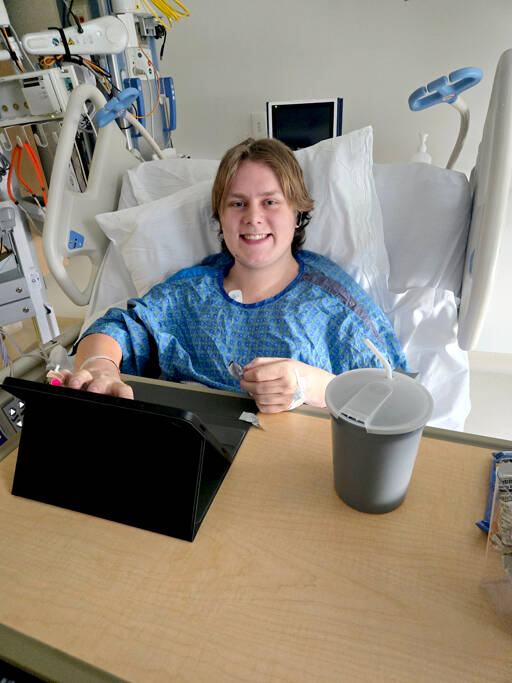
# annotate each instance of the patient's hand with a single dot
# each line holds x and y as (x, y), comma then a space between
(99, 379)
(272, 383)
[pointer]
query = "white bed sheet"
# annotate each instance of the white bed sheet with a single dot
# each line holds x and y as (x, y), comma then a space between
(424, 317)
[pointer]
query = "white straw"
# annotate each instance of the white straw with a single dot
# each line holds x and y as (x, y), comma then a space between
(382, 359)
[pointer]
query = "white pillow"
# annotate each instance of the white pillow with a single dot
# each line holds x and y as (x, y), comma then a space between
(158, 238)
(162, 177)
(426, 213)
(346, 224)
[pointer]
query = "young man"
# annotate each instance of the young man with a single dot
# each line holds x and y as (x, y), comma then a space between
(292, 319)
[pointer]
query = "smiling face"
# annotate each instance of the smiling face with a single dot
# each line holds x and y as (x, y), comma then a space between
(258, 223)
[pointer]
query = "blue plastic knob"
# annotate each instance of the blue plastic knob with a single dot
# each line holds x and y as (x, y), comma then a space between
(445, 89)
(116, 107)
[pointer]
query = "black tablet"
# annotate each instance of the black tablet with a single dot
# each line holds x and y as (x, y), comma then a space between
(154, 464)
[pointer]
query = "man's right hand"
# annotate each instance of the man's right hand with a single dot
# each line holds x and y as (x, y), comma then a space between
(100, 377)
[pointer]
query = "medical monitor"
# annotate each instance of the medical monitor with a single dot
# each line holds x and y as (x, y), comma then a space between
(305, 122)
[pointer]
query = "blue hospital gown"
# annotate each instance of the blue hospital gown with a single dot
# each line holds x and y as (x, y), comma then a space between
(188, 328)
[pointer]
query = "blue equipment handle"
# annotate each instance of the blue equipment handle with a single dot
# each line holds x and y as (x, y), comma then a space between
(167, 85)
(115, 107)
(136, 84)
(443, 91)
(166, 89)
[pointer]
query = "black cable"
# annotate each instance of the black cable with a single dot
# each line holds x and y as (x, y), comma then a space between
(60, 30)
(161, 32)
(4, 166)
(134, 112)
(70, 9)
(69, 13)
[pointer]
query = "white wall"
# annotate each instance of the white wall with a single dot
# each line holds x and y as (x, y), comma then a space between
(230, 57)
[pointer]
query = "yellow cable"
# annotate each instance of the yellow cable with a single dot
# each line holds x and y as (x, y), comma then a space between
(169, 27)
(169, 12)
(175, 14)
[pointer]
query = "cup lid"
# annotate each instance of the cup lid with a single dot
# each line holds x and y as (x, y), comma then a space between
(369, 399)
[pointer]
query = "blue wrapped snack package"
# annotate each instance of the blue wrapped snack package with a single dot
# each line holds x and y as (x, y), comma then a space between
(502, 456)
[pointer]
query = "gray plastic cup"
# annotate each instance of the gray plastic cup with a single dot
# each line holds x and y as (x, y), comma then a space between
(377, 419)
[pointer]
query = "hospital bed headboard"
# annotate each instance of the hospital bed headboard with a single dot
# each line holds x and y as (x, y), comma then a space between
(70, 215)
(490, 179)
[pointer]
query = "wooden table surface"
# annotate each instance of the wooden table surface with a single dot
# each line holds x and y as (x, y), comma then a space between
(283, 582)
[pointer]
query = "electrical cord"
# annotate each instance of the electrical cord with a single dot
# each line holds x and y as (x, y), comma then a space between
(161, 32)
(66, 15)
(40, 352)
(52, 60)
(16, 165)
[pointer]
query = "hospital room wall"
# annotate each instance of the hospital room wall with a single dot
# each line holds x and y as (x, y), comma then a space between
(228, 58)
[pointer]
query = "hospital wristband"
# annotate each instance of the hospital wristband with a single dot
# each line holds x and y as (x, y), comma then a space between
(100, 357)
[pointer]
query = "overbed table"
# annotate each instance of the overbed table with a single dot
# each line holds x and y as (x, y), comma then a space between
(283, 582)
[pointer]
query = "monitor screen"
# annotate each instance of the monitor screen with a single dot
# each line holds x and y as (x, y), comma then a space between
(304, 123)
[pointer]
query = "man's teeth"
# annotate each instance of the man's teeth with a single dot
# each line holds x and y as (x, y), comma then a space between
(255, 237)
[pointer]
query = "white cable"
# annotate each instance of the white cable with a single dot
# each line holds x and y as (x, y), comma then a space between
(41, 353)
(136, 124)
(463, 109)
(13, 341)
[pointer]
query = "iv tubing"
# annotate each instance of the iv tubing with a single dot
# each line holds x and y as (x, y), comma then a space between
(131, 119)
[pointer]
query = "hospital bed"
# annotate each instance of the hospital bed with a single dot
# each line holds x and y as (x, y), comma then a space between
(422, 240)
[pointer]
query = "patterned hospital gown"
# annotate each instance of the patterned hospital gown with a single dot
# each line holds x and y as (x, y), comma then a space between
(188, 328)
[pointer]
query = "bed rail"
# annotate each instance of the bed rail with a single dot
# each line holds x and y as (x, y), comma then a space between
(70, 229)
(491, 180)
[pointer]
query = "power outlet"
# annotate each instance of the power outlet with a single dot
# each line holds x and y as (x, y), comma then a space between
(258, 124)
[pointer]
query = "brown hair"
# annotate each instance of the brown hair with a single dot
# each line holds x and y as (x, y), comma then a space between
(283, 163)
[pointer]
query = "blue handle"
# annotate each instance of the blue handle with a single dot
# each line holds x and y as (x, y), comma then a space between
(444, 90)
(115, 107)
(136, 84)
(167, 85)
